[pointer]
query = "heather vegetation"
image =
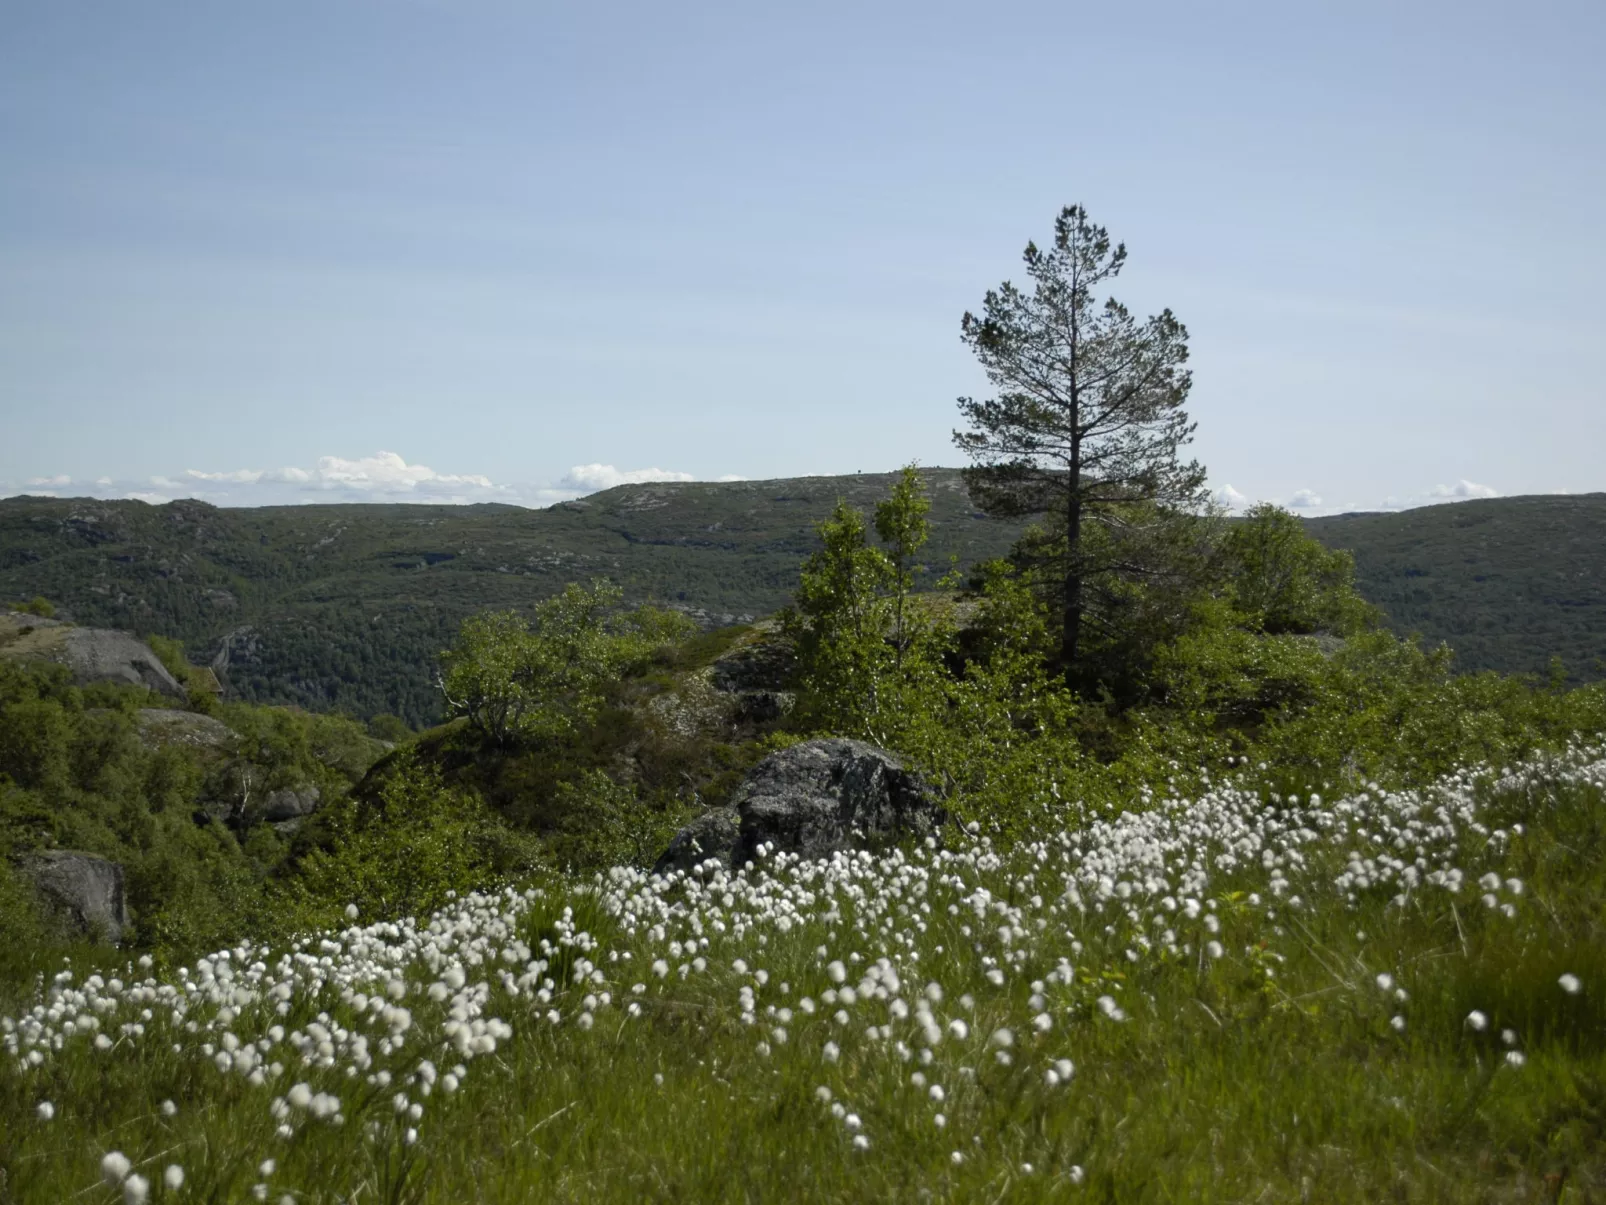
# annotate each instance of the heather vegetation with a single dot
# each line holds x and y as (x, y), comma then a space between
(1244, 896)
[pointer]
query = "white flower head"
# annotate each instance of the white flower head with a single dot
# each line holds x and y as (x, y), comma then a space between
(1570, 984)
(114, 1167)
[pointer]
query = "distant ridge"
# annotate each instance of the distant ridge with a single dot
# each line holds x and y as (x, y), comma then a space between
(346, 605)
(1506, 582)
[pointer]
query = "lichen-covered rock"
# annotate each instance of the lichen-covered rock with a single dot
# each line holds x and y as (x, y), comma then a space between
(83, 893)
(159, 727)
(811, 800)
(755, 676)
(765, 664)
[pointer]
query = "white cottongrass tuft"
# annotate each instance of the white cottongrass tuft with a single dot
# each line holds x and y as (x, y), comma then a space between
(173, 1177)
(114, 1167)
(136, 1190)
(45, 1110)
(1570, 984)
(1477, 1021)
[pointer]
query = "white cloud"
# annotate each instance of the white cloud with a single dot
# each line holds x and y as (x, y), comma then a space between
(384, 475)
(588, 478)
(1305, 500)
(1229, 498)
(237, 477)
(1463, 490)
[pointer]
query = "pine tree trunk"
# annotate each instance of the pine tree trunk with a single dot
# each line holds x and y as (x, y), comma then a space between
(1073, 571)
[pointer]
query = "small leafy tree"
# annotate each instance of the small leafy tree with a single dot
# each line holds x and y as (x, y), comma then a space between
(540, 680)
(1088, 420)
(1285, 580)
(840, 620)
(900, 521)
(857, 627)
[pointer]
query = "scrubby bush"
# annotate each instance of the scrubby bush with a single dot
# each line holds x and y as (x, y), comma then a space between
(75, 773)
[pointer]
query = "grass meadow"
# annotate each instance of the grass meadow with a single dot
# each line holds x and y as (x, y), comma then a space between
(1227, 993)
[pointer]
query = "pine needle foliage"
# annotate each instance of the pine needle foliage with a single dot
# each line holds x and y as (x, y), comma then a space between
(1088, 419)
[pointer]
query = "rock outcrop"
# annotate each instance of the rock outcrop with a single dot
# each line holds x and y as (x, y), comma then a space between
(234, 795)
(92, 654)
(159, 727)
(811, 800)
(100, 655)
(288, 803)
(83, 893)
(756, 676)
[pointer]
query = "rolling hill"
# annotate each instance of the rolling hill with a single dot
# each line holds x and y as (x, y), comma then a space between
(345, 606)
(1506, 582)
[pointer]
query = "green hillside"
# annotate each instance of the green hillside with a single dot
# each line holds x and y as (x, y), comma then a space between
(346, 606)
(1507, 582)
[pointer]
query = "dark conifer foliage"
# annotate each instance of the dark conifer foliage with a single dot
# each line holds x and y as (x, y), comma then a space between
(1088, 423)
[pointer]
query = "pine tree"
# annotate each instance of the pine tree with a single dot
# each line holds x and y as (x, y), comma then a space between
(1087, 424)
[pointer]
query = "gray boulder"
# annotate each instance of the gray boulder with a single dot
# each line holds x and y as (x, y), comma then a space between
(288, 803)
(92, 654)
(83, 893)
(711, 835)
(159, 727)
(811, 800)
(100, 655)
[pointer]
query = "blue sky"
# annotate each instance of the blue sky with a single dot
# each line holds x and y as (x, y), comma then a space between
(385, 249)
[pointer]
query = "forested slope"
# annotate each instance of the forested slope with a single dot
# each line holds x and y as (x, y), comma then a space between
(1507, 582)
(346, 606)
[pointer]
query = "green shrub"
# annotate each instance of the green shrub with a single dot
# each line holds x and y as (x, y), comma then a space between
(404, 851)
